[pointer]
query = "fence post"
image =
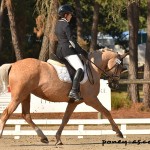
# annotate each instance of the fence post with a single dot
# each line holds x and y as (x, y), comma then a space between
(123, 129)
(80, 129)
(17, 130)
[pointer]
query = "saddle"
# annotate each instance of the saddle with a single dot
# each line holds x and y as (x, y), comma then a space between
(64, 70)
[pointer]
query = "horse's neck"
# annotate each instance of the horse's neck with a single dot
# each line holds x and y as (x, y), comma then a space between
(100, 59)
(105, 58)
(97, 59)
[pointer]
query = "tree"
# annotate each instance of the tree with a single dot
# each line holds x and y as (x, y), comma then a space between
(94, 30)
(14, 36)
(20, 21)
(1, 21)
(133, 18)
(146, 87)
(113, 17)
(49, 41)
(79, 22)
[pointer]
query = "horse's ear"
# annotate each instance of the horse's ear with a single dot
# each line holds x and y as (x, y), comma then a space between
(102, 50)
(124, 55)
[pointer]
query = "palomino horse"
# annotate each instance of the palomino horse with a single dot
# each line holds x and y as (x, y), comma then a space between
(40, 78)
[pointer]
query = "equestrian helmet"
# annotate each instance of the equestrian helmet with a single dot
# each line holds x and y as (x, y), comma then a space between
(63, 9)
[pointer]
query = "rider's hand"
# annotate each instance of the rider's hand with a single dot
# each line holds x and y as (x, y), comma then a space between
(85, 53)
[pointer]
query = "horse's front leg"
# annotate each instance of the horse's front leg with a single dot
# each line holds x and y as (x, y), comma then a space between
(96, 104)
(69, 110)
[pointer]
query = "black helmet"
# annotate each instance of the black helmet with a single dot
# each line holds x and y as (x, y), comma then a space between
(65, 9)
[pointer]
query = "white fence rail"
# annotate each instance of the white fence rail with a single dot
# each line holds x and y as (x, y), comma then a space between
(80, 132)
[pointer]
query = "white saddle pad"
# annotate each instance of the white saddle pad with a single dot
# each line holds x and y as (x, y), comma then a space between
(63, 73)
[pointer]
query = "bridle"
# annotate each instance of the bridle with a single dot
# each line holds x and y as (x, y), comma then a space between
(116, 66)
(119, 62)
(112, 78)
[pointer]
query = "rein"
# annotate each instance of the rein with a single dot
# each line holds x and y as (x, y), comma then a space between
(118, 62)
(106, 74)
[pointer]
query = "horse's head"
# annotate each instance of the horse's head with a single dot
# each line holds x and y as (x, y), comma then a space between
(114, 69)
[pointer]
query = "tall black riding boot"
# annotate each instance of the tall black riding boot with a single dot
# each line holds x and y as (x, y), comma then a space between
(74, 93)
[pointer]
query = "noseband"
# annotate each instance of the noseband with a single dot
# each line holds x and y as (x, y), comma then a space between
(116, 66)
(114, 78)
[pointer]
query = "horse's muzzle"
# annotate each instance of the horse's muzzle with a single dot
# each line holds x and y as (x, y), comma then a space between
(114, 84)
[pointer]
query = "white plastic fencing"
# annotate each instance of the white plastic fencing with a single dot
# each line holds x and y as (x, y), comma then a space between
(80, 132)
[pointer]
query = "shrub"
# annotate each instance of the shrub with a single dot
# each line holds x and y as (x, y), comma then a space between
(119, 100)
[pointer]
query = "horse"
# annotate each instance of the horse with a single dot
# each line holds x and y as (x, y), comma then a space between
(32, 76)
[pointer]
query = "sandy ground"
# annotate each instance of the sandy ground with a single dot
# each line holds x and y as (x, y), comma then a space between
(132, 142)
(73, 143)
(103, 142)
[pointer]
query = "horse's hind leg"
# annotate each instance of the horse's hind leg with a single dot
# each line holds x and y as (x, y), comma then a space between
(26, 115)
(7, 112)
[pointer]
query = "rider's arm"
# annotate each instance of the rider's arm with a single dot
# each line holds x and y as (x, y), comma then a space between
(74, 44)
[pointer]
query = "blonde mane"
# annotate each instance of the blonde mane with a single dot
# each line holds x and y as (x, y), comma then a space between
(107, 49)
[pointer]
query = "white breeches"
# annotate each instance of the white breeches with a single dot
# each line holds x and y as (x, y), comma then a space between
(75, 62)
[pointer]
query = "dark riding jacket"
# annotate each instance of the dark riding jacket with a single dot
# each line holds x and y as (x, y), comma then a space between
(66, 42)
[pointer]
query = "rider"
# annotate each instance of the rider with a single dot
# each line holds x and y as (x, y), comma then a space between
(68, 48)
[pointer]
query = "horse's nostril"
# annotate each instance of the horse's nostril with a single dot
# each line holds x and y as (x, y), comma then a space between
(113, 85)
(117, 87)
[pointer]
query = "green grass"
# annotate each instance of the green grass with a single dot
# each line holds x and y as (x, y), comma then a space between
(120, 100)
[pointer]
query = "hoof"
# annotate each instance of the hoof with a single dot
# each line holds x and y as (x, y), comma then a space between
(59, 143)
(120, 135)
(45, 140)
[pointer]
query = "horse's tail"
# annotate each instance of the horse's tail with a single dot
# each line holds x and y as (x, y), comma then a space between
(4, 81)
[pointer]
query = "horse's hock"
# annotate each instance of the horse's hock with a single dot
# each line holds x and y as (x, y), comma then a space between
(49, 110)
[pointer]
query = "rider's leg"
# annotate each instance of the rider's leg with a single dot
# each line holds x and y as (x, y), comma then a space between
(76, 63)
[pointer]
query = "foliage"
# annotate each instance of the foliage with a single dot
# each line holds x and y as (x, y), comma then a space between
(42, 8)
(113, 20)
(25, 20)
(143, 15)
(120, 100)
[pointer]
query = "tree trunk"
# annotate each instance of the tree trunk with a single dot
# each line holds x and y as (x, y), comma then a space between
(15, 40)
(94, 30)
(54, 18)
(146, 87)
(80, 38)
(45, 44)
(79, 20)
(1, 21)
(133, 18)
(49, 42)
(21, 21)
